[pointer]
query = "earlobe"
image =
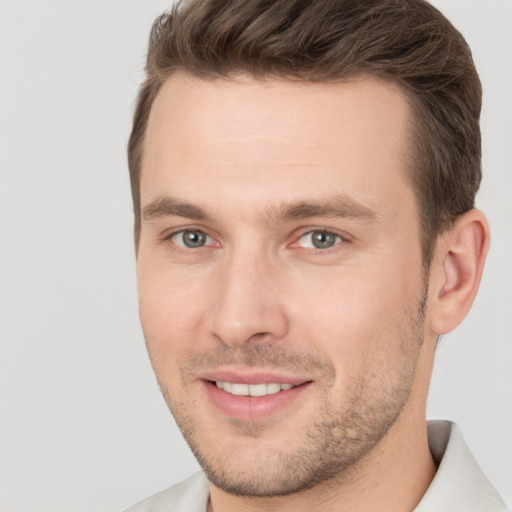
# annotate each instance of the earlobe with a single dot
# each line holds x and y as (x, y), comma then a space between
(458, 266)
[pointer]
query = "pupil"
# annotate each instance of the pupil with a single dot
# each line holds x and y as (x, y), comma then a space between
(194, 239)
(323, 240)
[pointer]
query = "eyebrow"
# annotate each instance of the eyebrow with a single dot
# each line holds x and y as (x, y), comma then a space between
(168, 207)
(337, 206)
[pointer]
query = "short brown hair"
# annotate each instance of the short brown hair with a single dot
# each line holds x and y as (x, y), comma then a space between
(408, 42)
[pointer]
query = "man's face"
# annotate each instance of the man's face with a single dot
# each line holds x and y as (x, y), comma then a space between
(280, 278)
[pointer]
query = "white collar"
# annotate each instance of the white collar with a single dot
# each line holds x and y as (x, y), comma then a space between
(459, 484)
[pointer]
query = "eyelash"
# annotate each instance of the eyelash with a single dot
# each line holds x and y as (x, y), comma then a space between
(169, 237)
(342, 240)
(339, 240)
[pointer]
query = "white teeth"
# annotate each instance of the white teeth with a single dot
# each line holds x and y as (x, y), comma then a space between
(273, 388)
(252, 389)
(240, 389)
(257, 389)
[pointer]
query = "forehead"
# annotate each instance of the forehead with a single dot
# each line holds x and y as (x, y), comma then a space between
(290, 139)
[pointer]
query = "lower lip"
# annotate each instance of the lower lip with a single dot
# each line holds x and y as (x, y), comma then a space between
(252, 408)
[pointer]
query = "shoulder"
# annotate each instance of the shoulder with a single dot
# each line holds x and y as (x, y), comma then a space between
(191, 495)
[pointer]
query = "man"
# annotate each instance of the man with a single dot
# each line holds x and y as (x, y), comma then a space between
(303, 177)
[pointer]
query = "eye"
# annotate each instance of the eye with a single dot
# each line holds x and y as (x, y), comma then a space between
(319, 240)
(191, 239)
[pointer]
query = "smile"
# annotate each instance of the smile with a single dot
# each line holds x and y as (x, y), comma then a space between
(262, 389)
(253, 397)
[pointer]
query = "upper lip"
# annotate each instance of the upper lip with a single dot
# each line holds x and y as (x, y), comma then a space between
(251, 376)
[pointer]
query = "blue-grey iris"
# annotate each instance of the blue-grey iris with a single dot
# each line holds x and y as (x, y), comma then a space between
(194, 239)
(323, 240)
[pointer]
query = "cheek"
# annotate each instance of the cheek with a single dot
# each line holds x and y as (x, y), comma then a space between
(170, 305)
(358, 322)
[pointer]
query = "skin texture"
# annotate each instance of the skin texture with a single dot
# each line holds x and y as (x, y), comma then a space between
(256, 167)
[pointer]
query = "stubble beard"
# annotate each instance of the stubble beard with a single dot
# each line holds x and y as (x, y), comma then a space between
(333, 445)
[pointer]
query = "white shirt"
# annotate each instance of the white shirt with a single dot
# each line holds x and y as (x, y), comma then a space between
(459, 484)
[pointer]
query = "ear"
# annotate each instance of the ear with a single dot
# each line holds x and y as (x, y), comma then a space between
(456, 271)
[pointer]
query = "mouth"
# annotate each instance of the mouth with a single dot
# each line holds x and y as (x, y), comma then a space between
(262, 389)
(251, 398)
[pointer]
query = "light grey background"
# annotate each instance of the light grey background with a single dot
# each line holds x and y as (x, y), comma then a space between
(82, 424)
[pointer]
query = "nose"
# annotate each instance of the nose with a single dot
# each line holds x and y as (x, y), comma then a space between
(247, 304)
